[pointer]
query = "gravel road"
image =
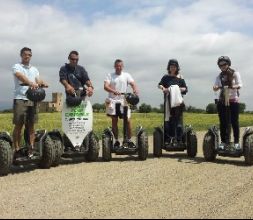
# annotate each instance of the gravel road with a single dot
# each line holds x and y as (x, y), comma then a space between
(170, 187)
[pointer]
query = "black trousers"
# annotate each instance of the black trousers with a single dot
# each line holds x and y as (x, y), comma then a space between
(174, 127)
(229, 115)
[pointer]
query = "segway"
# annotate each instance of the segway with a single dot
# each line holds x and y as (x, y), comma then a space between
(44, 148)
(139, 148)
(78, 139)
(189, 141)
(212, 140)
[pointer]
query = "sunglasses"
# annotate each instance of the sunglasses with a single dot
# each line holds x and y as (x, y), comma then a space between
(73, 59)
(223, 64)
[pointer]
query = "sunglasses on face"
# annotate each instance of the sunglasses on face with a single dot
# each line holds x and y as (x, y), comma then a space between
(223, 64)
(74, 59)
(27, 55)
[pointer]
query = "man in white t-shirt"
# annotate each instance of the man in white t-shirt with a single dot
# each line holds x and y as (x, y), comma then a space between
(115, 84)
(24, 111)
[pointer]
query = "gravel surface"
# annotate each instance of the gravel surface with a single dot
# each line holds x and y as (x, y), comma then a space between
(170, 187)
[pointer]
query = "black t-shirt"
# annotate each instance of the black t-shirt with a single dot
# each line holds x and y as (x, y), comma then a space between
(168, 81)
(75, 76)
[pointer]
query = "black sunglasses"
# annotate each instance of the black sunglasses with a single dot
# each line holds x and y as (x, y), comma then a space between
(73, 59)
(224, 64)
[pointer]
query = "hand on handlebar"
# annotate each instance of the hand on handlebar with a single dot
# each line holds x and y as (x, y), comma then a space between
(89, 91)
(70, 90)
(33, 85)
(117, 93)
(43, 85)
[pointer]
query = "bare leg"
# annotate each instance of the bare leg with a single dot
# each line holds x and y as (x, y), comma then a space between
(17, 136)
(115, 128)
(129, 129)
(31, 131)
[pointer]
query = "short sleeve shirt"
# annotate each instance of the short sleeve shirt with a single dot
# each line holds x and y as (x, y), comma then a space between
(236, 81)
(30, 72)
(75, 76)
(119, 82)
(168, 81)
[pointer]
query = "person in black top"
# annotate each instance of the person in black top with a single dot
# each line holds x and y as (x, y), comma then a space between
(74, 76)
(173, 127)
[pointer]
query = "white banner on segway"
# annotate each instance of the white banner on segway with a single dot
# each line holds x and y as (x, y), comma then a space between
(77, 122)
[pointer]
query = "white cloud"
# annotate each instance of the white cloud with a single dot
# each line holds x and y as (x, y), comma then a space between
(195, 34)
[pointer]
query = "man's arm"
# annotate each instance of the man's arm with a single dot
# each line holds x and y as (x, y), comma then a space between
(108, 88)
(90, 89)
(134, 87)
(69, 89)
(21, 77)
(41, 82)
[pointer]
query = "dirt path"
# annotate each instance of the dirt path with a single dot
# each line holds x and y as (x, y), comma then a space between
(171, 187)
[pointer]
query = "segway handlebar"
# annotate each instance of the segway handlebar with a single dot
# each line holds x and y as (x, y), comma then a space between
(40, 86)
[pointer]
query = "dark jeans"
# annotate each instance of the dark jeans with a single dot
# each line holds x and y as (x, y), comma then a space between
(174, 127)
(229, 115)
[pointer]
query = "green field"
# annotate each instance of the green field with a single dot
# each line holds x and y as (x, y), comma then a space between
(199, 122)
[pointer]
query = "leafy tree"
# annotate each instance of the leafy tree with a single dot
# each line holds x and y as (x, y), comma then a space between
(144, 108)
(211, 108)
(242, 108)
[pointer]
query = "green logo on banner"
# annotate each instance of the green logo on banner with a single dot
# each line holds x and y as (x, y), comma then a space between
(79, 111)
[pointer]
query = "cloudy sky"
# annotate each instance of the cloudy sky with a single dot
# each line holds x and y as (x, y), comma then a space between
(144, 33)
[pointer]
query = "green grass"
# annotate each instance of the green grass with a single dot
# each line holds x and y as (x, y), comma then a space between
(199, 122)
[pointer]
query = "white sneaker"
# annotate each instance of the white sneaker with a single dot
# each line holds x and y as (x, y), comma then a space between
(222, 146)
(237, 146)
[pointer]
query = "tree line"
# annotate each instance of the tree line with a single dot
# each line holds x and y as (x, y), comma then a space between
(146, 108)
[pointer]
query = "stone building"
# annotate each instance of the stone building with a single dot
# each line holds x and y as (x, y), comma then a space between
(54, 106)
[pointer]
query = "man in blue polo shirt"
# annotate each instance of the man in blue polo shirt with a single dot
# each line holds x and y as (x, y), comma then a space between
(24, 111)
(74, 76)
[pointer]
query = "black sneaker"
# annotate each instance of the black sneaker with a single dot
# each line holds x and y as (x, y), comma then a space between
(32, 153)
(131, 144)
(117, 145)
(17, 154)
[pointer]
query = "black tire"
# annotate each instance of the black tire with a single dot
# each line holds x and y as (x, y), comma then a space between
(93, 152)
(48, 154)
(58, 151)
(248, 150)
(192, 145)
(157, 144)
(209, 148)
(6, 157)
(106, 150)
(143, 146)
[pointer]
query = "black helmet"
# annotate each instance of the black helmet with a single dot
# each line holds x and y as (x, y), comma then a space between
(132, 99)
(36, 95)
(173, 62)
(224, 59)
(73, 101)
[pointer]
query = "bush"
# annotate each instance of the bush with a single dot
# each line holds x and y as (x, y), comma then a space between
(211, 108)
(144, 108)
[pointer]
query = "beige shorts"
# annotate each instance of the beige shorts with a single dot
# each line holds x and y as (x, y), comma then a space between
(111, 107)
(24, 112)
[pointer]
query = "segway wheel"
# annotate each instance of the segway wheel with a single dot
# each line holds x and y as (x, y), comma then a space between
(6, 157)
(157, 143)
(192, 145)
(209, 148)
(48, 153)
(107, 146)
(248, 150)
(143, 146)
(58, 151)
(93, 152)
